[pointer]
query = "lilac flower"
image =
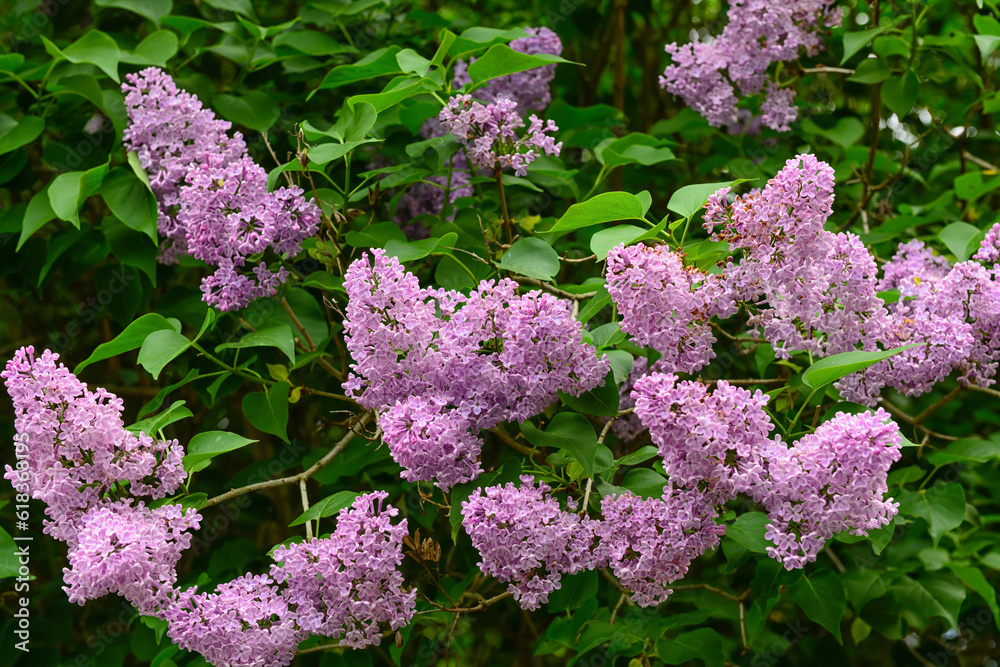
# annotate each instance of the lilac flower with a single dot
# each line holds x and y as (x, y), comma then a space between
(244, 622)
(229, 216)
(912, 269)
(79, 452)
(431, 441)
(712, 442)
(650, 542)
(525, 539)
(818, 287)
(440, 366)
(989, 250)
(345, 585)
(170, 131)
(666, 305)
(212, 197)
(707, 75)
(530, 89)
(490, 133)
(129, 550)
(629, 427)
(831, 480)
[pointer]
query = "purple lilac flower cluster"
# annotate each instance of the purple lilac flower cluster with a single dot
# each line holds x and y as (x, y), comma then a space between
(213, 199)
(79, 453)
(715, 442)
(490, 133)
(170, 131)
(989, 251)
(712, 76)
(831, 480)
(650, 542)
(89, 471)
(130, 550)
(525, 539)
(229, 216)
(813, 290)
(667, 305)
(439, 365)
(530, 89)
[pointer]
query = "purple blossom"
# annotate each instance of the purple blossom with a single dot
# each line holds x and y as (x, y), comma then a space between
(440, 366)
(229, 216)
(525, 539)
(714, 442)
(712, 76)
(346, 585)
(666, 305)
(490, 133)
(813, 290)
(831, 480)
(912, 269)
(170, 131)
(78, 450)
(650, 542)
(530, 89)
(244, 622)
(989, 249)
(129, 550)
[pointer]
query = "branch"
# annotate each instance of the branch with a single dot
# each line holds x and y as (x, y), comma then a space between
(553, 289)
(820, 69)
(506, 439)
(363, 420)
(310, 343)
(984, 390)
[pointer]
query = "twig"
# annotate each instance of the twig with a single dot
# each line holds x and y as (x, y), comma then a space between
(506, 439)
(978, 161)
(464, 610)
(305, 507)
(323, 363)
(934, 407)
(910, 418)
(553, 289)
(984, 390)
(713, 589)
(820, 69)
(614, 612)
(363, 420)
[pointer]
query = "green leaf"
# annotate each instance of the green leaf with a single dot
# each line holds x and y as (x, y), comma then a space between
(605, 240)
(326, 507)
(822, 598)
(942, 506)
(268, 411)
(748, 530)
(847, 132)
(151, 425)
(686, 201)
(243, 7)
(205, 446)
(974, 579)
(130, 200)
(899, 93)
(377, 63)
(154, 10)
(27, 129)
(634, 148)
(328, 152)
(155, 49)
(388, 98)
(95, 48)
(936, 594)
(160, 348)
(853, 41)
(644, 482)
(570, 431)
(11, 62)
(407, 251)
(279, 337)
(68, 191)
(836, 366)
(594, 305)
(9, 565)
(870, 70)
(309, 42)
(703, 644)
(640, 455)
(531, 257)
(130, 339)
(602, 400)
(253, 109)
(987, 44)
(966, 450)
(501, 60)
(606, 207)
